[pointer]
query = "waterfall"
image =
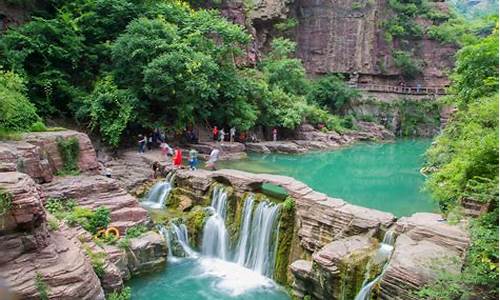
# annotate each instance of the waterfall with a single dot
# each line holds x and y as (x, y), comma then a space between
(215, 237)
(177, 235)
(384, 252)
(261, 248)
(242, 249)
(158, 194)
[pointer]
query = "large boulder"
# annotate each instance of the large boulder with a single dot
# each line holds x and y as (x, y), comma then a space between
(426, 245)
(147, 253)
(414, 264)
(337, 270)
(37, 154)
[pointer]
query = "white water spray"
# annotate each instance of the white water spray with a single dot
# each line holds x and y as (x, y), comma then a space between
(384, 253)
(215, 237)
(260, 249)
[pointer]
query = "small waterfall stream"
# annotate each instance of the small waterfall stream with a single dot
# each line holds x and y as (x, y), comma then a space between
(258, 251)
(215, 237)
(177, 235)
(256, 247)
(158, 194)
(384, 252)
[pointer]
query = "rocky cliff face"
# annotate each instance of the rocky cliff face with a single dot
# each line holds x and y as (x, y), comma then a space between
(341, 36)
(58, 261)
(30, 250)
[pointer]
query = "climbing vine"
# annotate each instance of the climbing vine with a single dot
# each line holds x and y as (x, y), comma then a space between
(69, 149)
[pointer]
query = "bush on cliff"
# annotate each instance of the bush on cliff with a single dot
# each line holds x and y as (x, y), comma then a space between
(16, 111)
(465, 160)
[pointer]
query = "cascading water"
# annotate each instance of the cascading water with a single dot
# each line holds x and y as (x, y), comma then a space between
(177, 235)
(215, 237)
(258, 238)
(384, 252)
(242, 248)
(158, 194)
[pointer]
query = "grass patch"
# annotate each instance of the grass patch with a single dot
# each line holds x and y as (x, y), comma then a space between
(41, 287)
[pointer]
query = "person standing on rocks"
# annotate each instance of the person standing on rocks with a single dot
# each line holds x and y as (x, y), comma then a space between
(222, 135)
(275, 134)
(177, 158)
(214, 157)
(232, 134)
(142, 143)
(215, 133)
(193, 159)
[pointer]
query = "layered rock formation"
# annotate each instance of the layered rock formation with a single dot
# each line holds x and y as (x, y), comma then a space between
(37, 155)
(37, 260)
(426, 246)
(33, 256)
(94, 191)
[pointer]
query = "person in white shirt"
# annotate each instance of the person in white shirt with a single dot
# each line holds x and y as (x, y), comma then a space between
(214, 157)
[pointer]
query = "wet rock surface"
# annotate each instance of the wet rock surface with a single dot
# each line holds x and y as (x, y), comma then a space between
(147, 253)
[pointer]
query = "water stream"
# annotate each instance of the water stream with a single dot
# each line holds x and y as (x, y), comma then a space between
(382, 256)
(158, 194)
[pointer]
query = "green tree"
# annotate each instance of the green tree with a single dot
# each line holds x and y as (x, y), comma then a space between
(16, 111)
(464, 160)
(110, 110)
(331, 91)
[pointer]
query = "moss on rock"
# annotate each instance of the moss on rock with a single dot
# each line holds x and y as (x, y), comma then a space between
(285, 237)
(195, 221)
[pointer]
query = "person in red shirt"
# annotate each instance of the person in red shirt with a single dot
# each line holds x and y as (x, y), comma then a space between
(215, 133)
(177, 158)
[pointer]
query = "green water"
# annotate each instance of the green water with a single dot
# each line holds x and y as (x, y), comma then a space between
(205, 279)
(381, 176)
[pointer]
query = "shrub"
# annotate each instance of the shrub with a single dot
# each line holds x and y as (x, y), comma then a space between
(331, 91)
(16, 111)
(97, 260)
(410, 67)
(69, 149)
(38, 127)
(366, 118)
(349, 122)
(5, 202)
(136, 231)
(286, 25)
(41, 287)
(124, 294)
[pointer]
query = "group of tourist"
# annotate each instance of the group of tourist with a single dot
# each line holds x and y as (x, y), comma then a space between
(220, 135)
(158, 139)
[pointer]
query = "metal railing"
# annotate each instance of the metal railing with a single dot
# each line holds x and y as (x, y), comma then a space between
(408, 90)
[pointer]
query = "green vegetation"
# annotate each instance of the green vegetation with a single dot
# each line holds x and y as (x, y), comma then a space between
(17, 113)
(332, 91)
(133, 65)
(41, 287)
(124, 294)
(409, 66)
(132, 232)
(5, 202)
(464, 160)
(285, 237)
(67, 209)
(52, 224)
(97, 260)
(286, 25)
(69, 149)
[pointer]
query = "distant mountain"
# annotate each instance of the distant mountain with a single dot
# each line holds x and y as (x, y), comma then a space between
(475, 8)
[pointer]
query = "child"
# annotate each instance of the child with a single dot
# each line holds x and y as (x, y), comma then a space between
(193, 159)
